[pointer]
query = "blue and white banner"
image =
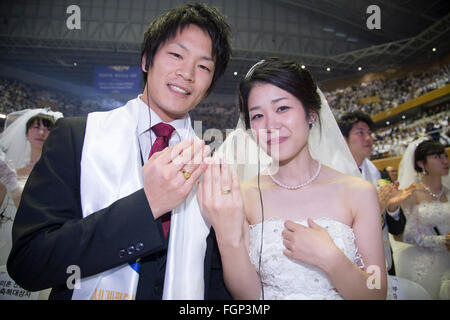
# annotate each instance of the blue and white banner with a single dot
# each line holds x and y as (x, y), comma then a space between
(121, 284)
(117, 79)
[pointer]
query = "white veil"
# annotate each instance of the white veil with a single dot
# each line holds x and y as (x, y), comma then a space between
(13, 141)
(326, 144)
(406, 172)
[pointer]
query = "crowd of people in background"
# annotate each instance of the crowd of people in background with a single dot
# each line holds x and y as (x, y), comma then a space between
(392, 140)
(17, 95)
(391, 93)
(216, 115)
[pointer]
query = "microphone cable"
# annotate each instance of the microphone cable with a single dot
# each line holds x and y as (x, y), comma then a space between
(262, 226)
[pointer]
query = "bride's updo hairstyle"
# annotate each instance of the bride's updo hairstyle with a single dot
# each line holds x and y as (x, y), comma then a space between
(286, 75)
(424, 149)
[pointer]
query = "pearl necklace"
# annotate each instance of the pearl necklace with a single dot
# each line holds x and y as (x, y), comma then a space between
(314, 177)
(437, 196)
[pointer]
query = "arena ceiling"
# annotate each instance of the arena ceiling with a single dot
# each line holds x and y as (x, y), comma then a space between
(321, 34)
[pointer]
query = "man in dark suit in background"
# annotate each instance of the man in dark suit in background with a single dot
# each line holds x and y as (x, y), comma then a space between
(357, 127)
(94, 200)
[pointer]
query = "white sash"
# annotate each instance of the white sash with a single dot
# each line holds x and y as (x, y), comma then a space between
(110, 170)
(372, 174)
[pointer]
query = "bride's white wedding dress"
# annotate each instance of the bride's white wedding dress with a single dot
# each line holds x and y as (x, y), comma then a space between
(427, 262)
(8, 213)
(285, 278)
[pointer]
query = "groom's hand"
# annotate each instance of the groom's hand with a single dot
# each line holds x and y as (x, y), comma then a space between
(169, 175)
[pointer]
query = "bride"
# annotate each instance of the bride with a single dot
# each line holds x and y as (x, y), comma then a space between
(299, 229)
(21, 147)
(427, 262)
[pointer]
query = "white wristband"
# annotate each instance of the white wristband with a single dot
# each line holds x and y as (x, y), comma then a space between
(395, 214)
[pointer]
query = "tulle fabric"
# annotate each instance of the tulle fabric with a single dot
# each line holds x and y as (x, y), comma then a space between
(13, 140)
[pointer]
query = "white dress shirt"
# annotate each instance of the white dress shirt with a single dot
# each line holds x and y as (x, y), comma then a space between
(147, 119)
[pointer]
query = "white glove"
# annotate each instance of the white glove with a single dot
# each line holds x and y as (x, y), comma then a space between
(8, 176)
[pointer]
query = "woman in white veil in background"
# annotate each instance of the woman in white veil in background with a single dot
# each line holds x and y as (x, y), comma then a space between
(20, 148)
(427, 261)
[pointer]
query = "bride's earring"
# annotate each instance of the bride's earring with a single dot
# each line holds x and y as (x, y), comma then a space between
(423, 173)
(312, 122)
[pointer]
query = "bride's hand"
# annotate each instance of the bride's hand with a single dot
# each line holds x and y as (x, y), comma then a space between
(311, 245)
(220, 200)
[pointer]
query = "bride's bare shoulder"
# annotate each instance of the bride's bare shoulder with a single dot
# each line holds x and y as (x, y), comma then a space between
(348, 182)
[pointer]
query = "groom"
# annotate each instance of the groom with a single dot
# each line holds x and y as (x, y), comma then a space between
(100, 197)
(357, 127)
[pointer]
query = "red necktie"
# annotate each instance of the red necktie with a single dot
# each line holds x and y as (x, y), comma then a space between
(163, 131)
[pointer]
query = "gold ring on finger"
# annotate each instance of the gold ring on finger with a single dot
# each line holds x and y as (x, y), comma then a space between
(227, 191)
(185, 173)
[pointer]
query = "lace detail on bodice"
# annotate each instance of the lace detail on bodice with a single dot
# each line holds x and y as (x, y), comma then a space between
(423, 223)
(429, 260)
(285, 278)
(435, 213)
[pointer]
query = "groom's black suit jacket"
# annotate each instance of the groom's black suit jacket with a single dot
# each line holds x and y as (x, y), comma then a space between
(49, 233)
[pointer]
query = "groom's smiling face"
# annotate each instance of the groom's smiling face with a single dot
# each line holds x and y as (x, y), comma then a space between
(181, 74)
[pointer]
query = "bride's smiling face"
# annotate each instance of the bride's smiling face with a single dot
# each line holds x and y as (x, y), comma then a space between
(279, 120)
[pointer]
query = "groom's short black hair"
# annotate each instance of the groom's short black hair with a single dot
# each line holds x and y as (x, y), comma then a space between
(207, 18)
(349, 119)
